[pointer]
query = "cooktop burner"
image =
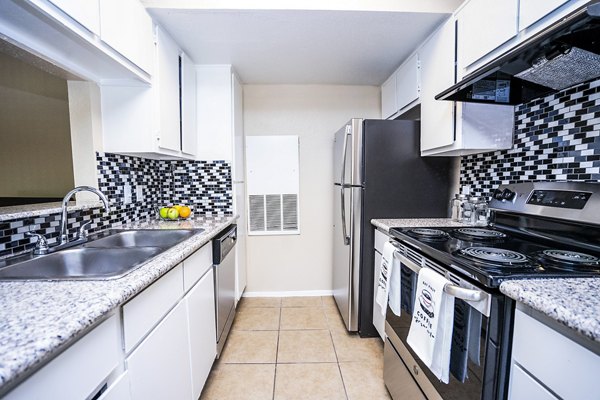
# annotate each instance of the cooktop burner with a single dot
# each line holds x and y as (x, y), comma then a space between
(428, 234)
(569, 260)
(494, 255)
(478, 234)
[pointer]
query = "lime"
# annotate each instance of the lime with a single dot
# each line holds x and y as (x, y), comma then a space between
(163, 212)
(173, 213)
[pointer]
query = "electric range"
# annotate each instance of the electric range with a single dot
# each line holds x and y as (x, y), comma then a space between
(536, 230)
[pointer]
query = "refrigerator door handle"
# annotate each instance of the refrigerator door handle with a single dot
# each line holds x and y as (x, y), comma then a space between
(343, 185)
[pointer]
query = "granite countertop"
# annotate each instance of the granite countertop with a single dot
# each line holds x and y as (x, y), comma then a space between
(386, 224)
(33, 210)
(572, 302)
(39, 319)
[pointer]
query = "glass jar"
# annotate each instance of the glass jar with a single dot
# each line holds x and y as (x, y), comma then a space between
(479, 211)
(457, 207)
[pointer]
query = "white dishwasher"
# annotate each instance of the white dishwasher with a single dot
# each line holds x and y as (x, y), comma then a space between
(224, 272)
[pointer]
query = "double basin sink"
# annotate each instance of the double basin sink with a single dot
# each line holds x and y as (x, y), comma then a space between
(111, 256)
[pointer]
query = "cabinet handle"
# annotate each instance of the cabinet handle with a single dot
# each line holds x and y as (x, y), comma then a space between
(416, 370)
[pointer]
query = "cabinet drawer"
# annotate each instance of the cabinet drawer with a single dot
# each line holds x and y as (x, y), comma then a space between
(196, 265)
(79, 370)
(119, 390)
(567, 368)
(523, 386)
(146, 309)
(380, 239)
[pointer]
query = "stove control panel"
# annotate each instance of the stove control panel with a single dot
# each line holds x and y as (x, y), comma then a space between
(559, 198)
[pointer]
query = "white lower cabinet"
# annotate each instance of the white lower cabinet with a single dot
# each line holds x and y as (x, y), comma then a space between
(550, 361)
(119, 390)
(200, 303)
(159, 368)
(378, 314)
(80, 371)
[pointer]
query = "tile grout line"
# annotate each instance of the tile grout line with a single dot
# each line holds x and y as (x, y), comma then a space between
(277, 350)
(336, 356)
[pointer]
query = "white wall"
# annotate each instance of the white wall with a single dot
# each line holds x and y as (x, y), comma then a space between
(303, 262)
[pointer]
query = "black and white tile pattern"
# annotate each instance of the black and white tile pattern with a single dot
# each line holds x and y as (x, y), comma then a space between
(203, 185)
(557, 138)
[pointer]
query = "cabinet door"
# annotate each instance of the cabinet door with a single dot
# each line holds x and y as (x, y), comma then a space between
(160, 367)
(378, 317)
(484, 25)
(407, 82)
(388, 97)
(118, 390)
(530, 11)
(239, 187)
(189, 135)
(126, 27)
(168, 91)
(569, 369)
(86, 12)
(200, 303)
(437, 74)
(523, 386)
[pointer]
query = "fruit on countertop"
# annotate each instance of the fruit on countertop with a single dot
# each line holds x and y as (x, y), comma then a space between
(174, 212)
(163, 212)
(184, 211)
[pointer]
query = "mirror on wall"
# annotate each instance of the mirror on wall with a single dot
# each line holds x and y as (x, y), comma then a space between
(36, 162)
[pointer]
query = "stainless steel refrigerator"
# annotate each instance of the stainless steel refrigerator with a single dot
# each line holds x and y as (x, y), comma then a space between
(378, 173)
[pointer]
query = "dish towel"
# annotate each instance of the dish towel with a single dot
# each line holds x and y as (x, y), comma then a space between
(387, 260)
(430, 333)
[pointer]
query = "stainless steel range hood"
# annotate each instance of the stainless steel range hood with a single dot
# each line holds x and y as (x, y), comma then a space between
(563, 55)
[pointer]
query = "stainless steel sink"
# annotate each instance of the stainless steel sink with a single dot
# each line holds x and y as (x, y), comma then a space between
(144, 237)
(81, 263)
(111, 255)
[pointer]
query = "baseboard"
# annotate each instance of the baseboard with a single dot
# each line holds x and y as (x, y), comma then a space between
(298, 293)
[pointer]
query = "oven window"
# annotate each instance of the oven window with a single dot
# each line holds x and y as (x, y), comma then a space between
(469, 338)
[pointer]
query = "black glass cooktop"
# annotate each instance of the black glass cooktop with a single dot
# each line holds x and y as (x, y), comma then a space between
(491, 255)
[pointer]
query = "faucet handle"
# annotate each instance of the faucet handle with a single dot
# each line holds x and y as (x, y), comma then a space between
(41, 246)
(83, 230)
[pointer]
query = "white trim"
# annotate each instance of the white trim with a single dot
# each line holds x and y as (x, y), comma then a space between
(296, 293)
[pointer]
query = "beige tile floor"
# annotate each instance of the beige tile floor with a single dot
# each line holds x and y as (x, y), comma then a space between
(295, 348)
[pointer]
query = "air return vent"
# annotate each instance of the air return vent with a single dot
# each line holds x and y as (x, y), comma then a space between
(273, 183)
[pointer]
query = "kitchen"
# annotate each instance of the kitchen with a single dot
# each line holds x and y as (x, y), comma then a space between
(175, 102)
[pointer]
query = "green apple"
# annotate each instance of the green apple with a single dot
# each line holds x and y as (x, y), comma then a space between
(163, 212)
(173, 213)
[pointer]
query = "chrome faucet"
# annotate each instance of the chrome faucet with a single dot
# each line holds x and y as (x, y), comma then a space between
(64, 237)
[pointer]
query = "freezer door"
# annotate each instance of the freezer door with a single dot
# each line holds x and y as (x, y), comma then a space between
(348, 143)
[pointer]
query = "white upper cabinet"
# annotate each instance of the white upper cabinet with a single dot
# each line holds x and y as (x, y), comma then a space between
(483, 25)
(402, 88)
(155, 121)
(126, 27)
(449, 128)
(437, 73)
(86, 12)
(189, 135)
(215, 112)
(531, 11)
(167, 54)
(388, 97)
(407, 82)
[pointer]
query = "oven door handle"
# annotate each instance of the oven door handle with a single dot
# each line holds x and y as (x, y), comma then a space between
(462, 293)
(453, 290)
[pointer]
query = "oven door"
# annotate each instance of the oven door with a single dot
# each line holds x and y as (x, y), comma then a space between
(469, 343)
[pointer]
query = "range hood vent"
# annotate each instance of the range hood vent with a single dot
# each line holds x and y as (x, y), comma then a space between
(565, 54)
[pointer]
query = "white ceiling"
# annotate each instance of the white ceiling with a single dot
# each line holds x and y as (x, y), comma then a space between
(283, 46)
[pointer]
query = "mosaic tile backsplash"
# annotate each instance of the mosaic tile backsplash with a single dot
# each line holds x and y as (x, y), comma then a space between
(557, 138)
(204, 185)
